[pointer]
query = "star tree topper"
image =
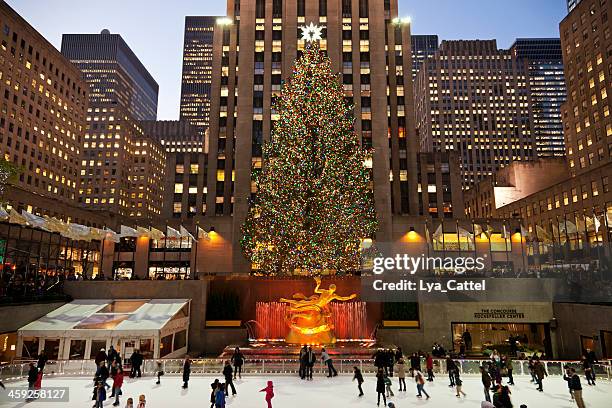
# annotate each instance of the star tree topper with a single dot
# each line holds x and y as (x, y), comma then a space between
(312, 32)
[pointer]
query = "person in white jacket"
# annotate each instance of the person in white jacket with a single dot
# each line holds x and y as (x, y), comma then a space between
(331, 371)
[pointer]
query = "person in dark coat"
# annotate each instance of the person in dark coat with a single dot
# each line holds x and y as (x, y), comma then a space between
(215, 388)
(101, 356)
(573, 381)
(415, 363)
(587, 366)
(540, 373)
(136, 361)
(227, 373)
(379, 359)
(102, 374)
(486, 382)
(238, 361)
(32, 374)
(100, 395)
(186, 372)
(111, 356)
(311, 359)
(42, 361)
(303, 362)
(452, 369)
(357, 376)
(380, 386)
(390, 360)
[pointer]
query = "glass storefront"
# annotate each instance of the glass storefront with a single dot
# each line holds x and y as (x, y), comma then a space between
(478, 339)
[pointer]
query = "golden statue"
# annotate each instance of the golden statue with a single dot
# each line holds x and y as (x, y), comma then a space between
(309, 317)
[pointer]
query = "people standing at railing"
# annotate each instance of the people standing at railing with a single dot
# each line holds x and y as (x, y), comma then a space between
(429, 366)
(589, 372)
(573, 381)
(117, 384)
(227, 373)
(398, 354)
(379, 360)
(380, 386)
(540, 373)
(486, 382)
(186, 372)
(357, 376)
(111, 355)
(303, 362)
(401, 374)
(311, 359)
(136, 361)
(238, 361)
(327, 360)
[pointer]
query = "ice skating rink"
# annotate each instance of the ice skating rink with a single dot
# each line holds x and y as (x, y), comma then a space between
(339, 392)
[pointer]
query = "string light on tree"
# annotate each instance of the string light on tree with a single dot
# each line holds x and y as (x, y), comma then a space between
(311, 33)
(313, 204)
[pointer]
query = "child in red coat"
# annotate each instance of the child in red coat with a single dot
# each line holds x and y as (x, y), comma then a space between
(269, 390)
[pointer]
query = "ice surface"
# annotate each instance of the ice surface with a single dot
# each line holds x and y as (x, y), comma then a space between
(291, 392)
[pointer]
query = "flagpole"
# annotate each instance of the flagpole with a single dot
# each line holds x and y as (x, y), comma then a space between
(101, 268)
(165, 250)
(197, 241)
(181, 251)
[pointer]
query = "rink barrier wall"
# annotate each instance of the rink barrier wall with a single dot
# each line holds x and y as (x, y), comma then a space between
(80, 368)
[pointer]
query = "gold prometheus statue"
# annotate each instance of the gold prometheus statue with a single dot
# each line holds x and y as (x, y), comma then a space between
(309, 317)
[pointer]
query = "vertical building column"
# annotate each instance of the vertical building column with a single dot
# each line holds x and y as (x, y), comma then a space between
(380, 142)
(244, 130)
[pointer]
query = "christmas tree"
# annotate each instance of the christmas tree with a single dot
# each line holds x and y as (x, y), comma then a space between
(313, 205)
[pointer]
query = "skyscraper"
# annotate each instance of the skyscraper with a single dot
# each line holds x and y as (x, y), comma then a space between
(42, 123)
(366, 42)
(122, 169)
(423, 47)
(114, 72)
(547, 85)
(197, 71)
(473, 98)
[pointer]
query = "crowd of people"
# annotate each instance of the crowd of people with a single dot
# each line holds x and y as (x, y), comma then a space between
(389, 364)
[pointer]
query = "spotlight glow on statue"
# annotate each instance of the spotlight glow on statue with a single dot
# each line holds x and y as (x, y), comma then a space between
(309, 318)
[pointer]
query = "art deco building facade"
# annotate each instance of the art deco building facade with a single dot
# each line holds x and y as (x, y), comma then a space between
(423, 47)
(576, 208)
(197, 71)
(185, 182)
(547, 86)
(122, 169)
(43, 119)
(474, 99)
(366, 43)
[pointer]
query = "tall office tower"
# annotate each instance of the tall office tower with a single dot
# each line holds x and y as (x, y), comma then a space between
(197, 71)
(43, 118)
(423, 47)
(185, 184)
(474, 99)
(119, 171)
(366, 42)
(587, 54)
(571, 4)
(547, 86)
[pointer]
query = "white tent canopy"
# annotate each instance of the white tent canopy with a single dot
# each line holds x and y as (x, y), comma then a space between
(77, 329)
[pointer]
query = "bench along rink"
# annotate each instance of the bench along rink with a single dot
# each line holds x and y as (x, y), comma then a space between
(322, 392)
